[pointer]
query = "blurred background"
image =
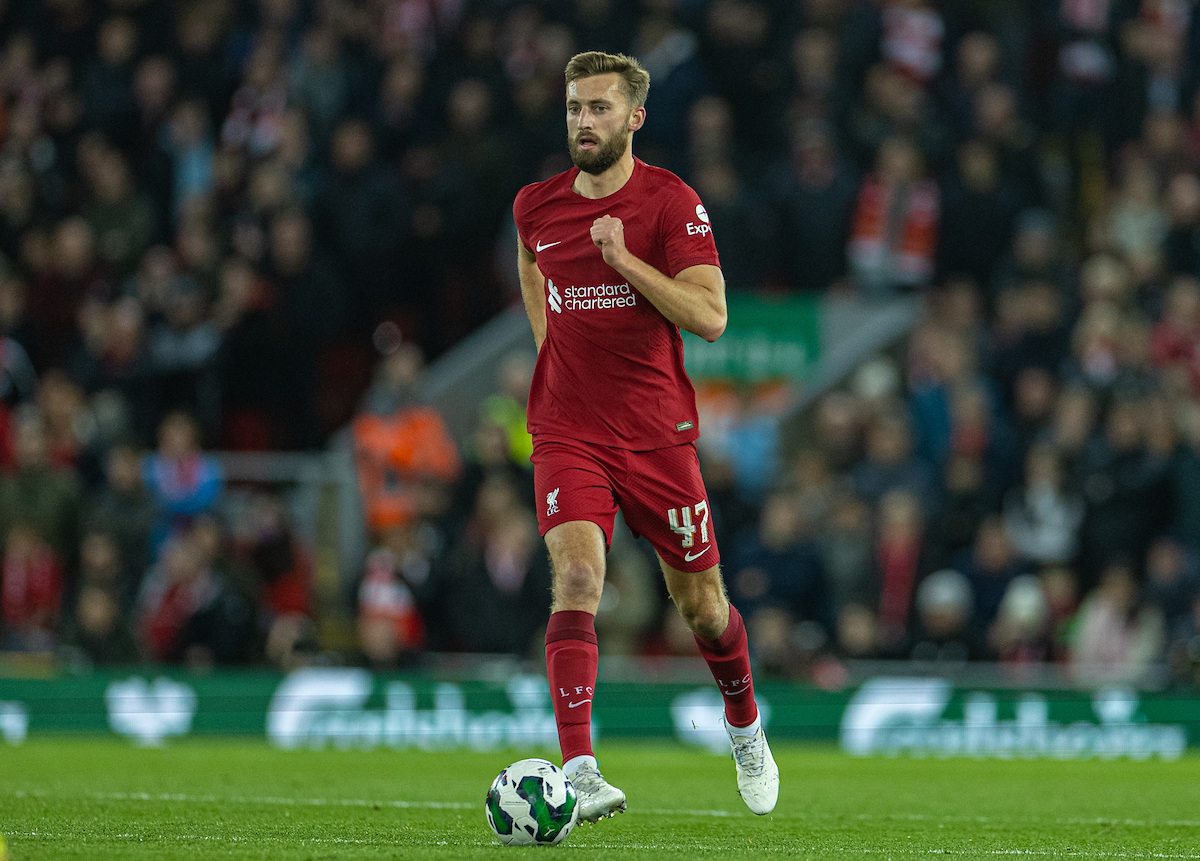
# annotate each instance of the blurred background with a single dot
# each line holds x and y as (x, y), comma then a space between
(264, 365)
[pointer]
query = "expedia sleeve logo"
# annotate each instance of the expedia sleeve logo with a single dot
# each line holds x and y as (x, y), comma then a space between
(703, 228)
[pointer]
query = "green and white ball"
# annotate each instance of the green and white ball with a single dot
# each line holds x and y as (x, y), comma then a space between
(532, 802)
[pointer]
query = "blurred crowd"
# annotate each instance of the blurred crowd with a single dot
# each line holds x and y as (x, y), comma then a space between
(243, 225)
(1014, 483)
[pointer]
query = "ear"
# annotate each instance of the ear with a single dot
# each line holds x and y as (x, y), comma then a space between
(637, 118)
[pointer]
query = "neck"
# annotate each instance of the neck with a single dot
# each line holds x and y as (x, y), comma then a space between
(595, 186)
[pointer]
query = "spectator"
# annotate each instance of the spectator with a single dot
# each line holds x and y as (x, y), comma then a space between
(990, 565)
(1172, 582)
(31, 590)
(1061, 589)
(979, 208)
(1124, 488)
(999, 124)
(99, 634)
(359, 210)
(155, 93)
(507, 406)
(814, 193)
(901, 558)
(1071, 431)
(319, 81)
(18, 208)
(943, 633)
(891, 465)
(101, 565)
(745, 226)
(1117, 636)
(279, 580)
(893, 237)
(969, 496)
(1181, 247)
(121, 218)
(817, 93)
(1020, 636)
(310, 311)
(977, 64)
(1137, 222)
(494, 584)
(183, 481)
(399, 120)
(1184, 479)
(37, 495)
(847, 558)
(406, 458)
(58, 290)
(490, 456)
(106, 81)
(631, 605)
(777, 566)
(189, 146)
(252, 125)
(123, 508)
(181, 351)
(189, 613)
(1041, 516)
(113, 357)
(1037, 253)
(1035, 393)
(1175, 342)
(390, 625)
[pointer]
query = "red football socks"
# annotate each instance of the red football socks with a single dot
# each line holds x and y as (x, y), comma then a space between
(571, 662)
(728, 657)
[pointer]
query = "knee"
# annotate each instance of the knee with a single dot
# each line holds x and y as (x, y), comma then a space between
(706, 613)
(577, 586)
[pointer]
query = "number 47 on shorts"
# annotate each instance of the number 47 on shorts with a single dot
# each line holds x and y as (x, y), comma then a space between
(682, 522)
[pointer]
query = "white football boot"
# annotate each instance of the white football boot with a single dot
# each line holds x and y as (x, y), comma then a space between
(597, 797)
(757, 773)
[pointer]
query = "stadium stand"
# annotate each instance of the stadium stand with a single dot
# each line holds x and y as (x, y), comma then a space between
(226, 225)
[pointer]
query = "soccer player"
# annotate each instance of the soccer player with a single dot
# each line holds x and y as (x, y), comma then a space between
(615, 257)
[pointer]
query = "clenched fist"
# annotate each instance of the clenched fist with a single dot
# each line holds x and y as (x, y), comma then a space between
(608, 233)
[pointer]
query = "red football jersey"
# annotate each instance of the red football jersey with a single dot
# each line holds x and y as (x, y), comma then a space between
(611, 368)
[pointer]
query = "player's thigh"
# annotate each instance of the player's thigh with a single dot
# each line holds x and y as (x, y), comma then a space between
(664, 500)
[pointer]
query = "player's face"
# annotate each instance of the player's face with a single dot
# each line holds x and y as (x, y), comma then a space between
(598, 122)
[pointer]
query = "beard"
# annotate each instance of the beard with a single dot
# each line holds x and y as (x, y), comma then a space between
(607, 153)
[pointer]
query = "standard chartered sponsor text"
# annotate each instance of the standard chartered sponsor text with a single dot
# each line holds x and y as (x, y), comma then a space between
(599, 296)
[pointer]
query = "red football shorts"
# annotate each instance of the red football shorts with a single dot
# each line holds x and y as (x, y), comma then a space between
(660, 492)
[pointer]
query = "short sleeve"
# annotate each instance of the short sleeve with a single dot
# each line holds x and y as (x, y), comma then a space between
(686, 230)
(521, 215)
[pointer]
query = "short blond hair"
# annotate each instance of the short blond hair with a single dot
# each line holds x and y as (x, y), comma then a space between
(635, 81)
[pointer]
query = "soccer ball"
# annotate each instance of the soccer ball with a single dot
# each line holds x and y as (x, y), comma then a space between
(531, 802)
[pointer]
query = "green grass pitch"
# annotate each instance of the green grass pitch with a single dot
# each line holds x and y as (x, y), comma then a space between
(196, 800)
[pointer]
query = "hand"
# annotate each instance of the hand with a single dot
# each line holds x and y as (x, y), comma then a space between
(608, 234)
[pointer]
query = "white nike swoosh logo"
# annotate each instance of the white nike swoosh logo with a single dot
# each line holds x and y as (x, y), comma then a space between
(740, 691)
(541, 247)
(688, 557)
(581, 702)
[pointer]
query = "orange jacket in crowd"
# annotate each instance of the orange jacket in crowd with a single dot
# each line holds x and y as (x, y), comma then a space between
(395, 453)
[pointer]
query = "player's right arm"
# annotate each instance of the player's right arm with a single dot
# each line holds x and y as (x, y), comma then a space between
(533, 291)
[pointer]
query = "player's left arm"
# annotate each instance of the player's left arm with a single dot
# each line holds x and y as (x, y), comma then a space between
(694, 300)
